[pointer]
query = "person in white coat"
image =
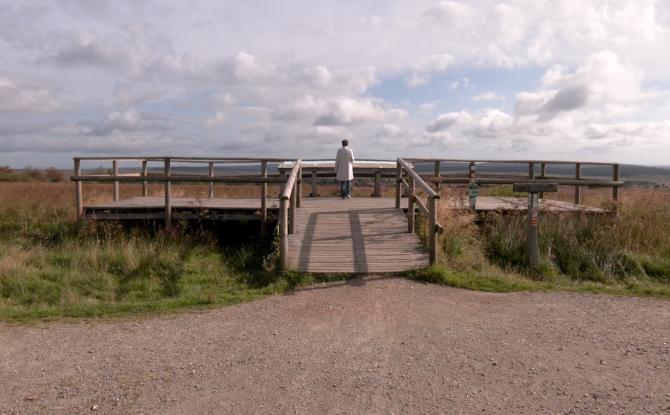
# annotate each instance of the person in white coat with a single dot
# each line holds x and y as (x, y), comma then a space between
(344, 169)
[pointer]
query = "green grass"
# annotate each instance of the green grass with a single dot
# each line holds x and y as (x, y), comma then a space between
(504, 282)
(72, 271)
(52, 267)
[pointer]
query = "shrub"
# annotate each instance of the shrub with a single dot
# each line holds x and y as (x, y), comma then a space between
(33, 173)
(54, 175)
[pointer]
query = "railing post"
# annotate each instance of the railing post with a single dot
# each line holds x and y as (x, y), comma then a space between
(264, 196)
(211, 184)
(283, 233)
(299, 188)
(293, 201)
(616, 170)
(398, 184)
(313, 194)
(578, 189)
(145, 184)
(410, 205)
(531, 170)
(432, 229)
(437, 174)
(168, 196)
(543, 174)
(115, 172)
(378, 184)
(78, 189)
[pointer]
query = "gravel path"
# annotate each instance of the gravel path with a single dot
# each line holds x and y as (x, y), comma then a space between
(374, 345)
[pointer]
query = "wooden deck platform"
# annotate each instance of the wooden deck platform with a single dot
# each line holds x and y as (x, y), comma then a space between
(484, 204)
(498, 203)
(360, 235)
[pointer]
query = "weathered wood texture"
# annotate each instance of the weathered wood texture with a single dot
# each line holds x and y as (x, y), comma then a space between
(496, 203)
(359, 235)
(484, 203)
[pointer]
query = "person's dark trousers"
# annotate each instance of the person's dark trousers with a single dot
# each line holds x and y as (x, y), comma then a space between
(345, 188)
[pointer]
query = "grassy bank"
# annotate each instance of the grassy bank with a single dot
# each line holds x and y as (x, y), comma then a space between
(51, 266)
(627, 253)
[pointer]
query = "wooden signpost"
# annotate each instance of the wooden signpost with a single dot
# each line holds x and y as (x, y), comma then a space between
(534, 189)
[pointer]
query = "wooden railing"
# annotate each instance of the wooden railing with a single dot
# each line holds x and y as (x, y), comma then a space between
(289, 200)
(578, 181)
(408, 178)
(322, 169)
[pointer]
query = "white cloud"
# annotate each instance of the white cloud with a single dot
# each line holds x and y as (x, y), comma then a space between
(122, 70)
(488, 96)
(426, 65)
(26, 98)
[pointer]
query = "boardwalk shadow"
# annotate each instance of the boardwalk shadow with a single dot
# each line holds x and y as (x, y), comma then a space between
(354, 236)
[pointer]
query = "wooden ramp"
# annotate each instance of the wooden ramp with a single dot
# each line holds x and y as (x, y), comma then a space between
(359, 235)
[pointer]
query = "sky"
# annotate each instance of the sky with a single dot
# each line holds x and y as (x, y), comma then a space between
(559, 79)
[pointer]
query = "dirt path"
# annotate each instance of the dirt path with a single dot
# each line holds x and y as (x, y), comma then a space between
(366, 346)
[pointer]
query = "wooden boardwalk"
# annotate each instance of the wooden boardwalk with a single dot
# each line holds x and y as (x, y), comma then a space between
(359, 235)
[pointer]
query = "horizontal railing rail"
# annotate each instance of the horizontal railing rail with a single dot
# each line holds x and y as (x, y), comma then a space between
(167, 176)
(408, 178)
(577, 180)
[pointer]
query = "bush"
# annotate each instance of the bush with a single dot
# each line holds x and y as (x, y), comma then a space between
(33, 173)
(54, 175)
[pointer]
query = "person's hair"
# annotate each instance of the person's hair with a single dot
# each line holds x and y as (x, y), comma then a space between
(345, 142)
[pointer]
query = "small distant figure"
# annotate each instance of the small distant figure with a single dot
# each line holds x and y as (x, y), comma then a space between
(344, 169)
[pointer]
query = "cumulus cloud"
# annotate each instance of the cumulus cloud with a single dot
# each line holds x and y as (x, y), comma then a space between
(120, 71)
(488, 96)
(424, 66)
(16, 97)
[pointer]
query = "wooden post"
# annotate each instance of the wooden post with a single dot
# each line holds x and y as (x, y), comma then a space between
(616, 170)
(472, 171)
(282, 185)
(532, 247)
(531, 170)
(283, 233)
(145, 173)
(543, 175)
(437, 174)
(578, 189)
(291, 212)
(211, 184)
(432, 229)
(298, 181)
(313, 194)
(115, 172)
(410, 205)
(378, 183)
(168, 200)
(264, 196)
(398, 184)
(77, 189)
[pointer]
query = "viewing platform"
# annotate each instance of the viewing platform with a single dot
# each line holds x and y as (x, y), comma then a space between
(363, 235)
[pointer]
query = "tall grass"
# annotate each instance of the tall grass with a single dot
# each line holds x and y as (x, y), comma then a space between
(51, 266)
(629, 251)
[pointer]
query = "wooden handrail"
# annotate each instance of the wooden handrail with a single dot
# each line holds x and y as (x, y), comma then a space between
(287, 208)
(184, 159)
(427, 160)
(429, 211)
(181, 179)
(419, 180)
(286, 194)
